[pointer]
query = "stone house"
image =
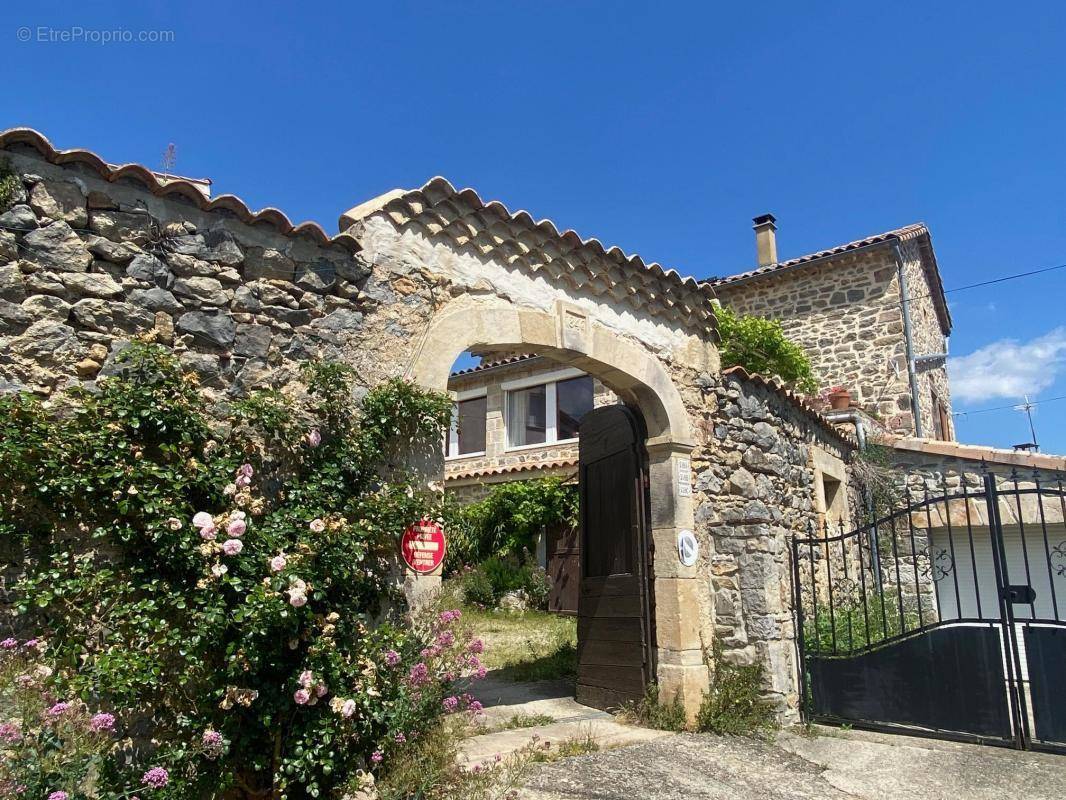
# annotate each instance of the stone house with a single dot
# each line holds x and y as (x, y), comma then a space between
(516, 418)
(871, 315)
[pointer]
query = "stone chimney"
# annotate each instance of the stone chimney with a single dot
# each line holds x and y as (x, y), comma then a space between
(766, 239)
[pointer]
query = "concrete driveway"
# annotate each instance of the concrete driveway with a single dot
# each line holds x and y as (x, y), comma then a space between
(831, 765)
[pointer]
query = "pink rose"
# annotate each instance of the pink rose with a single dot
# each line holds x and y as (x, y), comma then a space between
(209, 532)
(301, 696)
(307, 677)
(321, 690)
(314, 438)
(297, 599)
(347, 708)
(202, 519)
(278, 563)
(246, 470)
(232, 547)
(236, 527)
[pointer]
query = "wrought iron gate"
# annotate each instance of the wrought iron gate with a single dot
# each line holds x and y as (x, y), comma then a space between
(943, 618)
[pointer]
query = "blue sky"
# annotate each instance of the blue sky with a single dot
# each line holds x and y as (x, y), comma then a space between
(660, 128)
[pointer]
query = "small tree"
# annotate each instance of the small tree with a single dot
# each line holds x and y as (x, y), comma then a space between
(760, 345)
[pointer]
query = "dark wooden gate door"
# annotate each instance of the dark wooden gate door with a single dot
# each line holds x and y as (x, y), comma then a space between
(614, 635)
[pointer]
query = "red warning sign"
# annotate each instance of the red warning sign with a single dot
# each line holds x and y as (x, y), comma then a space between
(423, 546)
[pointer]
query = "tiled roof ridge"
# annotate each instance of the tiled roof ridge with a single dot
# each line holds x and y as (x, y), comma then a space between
(506, 469)
(446, 210)
(795, 399)
(907, 232)
(181, 187)
(915, 230)
(980, 452)
(496, 362)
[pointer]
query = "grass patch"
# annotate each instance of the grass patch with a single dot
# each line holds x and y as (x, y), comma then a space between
(526, 646)
(568, 748)
(523, 721)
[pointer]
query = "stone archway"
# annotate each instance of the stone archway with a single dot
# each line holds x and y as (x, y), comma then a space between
(569, 335)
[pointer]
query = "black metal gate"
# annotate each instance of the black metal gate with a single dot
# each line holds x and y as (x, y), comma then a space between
(942, 618)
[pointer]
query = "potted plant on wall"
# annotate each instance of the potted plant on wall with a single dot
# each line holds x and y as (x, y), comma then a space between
(839, 398)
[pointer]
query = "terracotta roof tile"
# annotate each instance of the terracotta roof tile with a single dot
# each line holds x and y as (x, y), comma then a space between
(496, 362)
(976, 452)
(903, 234)
(177, 187)
(515, 237)
(529, 466)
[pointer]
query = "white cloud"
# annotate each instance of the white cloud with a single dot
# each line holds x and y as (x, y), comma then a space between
(1009, 368)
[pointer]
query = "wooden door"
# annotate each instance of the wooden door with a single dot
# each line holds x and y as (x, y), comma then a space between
(614, 635)
(564, 569)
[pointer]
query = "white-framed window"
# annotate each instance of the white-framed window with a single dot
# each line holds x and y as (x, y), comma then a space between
(546, 408)
(466, 436)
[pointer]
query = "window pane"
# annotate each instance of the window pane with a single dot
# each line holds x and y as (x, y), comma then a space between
(575, 400)
(472, 426)
(526, 416)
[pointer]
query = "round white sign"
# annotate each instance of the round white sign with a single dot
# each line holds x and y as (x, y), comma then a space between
(688, 549)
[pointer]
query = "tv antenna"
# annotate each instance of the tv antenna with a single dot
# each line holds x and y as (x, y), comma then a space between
(1032, 444)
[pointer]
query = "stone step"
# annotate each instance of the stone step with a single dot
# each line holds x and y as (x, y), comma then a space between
(600, 727)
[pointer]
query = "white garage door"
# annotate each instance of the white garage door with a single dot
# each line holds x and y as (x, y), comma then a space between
(975, 595)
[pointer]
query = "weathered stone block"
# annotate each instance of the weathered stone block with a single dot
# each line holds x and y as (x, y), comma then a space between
(212, 329)
(60, 200)
(57, 247)
(268, 263)
(93, 284)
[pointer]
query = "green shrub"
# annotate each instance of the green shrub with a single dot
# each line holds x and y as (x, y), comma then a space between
(735, 704)
(651, 711)
(220, 574)
(10, 184)
(509, 520)
(477, 589)
(760, 346)
(536, 586)
(484, 585)
(856, 624)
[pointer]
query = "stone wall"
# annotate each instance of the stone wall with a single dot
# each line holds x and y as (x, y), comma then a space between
(845, 313)
(756, 477)
(86, 263)
(92, 255)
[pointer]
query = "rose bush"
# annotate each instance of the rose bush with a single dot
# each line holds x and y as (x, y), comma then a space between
(220, 585)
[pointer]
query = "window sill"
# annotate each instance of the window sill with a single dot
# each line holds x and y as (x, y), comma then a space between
(461, 456)
(540, 445)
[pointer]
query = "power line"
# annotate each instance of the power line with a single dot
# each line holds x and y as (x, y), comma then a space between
(1013, 406)
(992, 281)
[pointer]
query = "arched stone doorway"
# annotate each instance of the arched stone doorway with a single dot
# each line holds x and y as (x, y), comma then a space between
(570, 336)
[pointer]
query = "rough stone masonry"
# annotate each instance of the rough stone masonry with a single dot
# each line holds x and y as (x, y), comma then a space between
(92, 255)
